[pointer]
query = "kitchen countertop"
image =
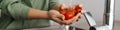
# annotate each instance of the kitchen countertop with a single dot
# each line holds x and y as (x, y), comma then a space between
(84, 26)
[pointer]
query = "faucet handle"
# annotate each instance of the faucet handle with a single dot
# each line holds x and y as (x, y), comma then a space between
(89, 18)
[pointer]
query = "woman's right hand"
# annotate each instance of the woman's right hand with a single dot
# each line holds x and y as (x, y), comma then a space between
(59, 18)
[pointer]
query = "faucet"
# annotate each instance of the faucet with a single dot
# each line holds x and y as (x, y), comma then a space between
(108, 17)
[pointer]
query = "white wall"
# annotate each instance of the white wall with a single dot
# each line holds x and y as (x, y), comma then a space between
(117, 10)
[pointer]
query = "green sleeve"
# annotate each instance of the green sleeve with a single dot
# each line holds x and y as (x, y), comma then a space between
(16, 9)
(52, 3)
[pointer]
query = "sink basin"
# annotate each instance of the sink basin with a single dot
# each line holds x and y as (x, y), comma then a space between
(54, 28)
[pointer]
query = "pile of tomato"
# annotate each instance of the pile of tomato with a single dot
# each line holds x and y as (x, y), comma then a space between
(70, 12)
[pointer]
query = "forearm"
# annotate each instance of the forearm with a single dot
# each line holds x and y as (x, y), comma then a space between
(40, 14)
(37, 14)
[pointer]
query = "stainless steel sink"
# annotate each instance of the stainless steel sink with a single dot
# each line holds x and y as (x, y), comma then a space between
(54, 28)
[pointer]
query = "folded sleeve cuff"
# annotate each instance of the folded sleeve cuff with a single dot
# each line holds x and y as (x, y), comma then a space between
(52, 3)
(18, 10)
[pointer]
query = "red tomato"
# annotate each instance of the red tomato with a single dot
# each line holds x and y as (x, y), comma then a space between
(70, 14)
(63, 10)
(78, 8)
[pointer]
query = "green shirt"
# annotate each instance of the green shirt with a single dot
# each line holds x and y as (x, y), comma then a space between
(14, 13)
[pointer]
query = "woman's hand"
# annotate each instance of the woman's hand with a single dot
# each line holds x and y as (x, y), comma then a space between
(56, 16)
(59, 18)
(73, 20)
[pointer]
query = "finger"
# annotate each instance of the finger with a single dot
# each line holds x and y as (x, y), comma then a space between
(66, 22)
(58, 20)
(80, 5)
(61, 16)
(63, 6)
(78, 18)
(72, 20)
(78, 15)
(83, 11)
